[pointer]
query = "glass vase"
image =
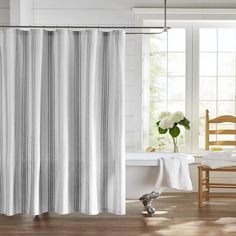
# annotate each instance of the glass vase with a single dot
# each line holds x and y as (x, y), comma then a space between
(176, 150)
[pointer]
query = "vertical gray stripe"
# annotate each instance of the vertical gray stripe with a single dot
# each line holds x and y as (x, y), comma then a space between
(32, 75)
(25, 95)
(51, 112)
(44, 128)
(18, 125)
(77, 121)
(7, 119)
(87, 144)
(104, 125)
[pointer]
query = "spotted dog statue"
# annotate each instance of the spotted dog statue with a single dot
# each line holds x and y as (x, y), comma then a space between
(147, 199)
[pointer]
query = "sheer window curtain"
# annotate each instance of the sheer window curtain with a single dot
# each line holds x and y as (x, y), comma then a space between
(62, 121)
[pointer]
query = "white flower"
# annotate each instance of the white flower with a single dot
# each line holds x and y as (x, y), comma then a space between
(164, 114)
(166, 123)
(177, 116)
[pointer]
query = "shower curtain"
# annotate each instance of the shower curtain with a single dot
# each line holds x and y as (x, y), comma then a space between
(61, 121)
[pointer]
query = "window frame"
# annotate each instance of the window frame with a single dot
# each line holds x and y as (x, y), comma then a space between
(192, 29)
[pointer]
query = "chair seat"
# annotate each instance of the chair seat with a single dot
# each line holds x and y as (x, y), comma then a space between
(229, 168)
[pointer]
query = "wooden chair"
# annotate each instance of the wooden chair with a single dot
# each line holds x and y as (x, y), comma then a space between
(204, 183)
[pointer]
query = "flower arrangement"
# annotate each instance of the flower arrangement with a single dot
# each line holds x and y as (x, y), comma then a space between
(170, 122)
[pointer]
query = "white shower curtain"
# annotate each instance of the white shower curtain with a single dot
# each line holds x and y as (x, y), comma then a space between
(61, 121)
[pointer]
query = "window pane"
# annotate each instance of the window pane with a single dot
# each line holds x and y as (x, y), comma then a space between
(176, 64)
(208, 64)
(208, 40)
(166, 83)
(176, 88)
(201, 141)
(226, 39)
(158, 42)
(226, 64)
(207, 92)
(225, 137)
(156, 107)
(225, 126)
(210, 105)
(176, 40)
(158, 88)
(226, 88)
(176, 106)
(161, 141)
(219, 88)
(158, 64)
(226, 108)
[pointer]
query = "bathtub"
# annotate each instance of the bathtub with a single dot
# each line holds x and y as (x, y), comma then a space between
(141, 174)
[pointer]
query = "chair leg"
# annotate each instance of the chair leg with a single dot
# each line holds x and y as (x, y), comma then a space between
(207, 185)
(200, 186)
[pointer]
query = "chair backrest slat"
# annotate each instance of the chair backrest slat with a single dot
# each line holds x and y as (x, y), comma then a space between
(223, 119)
(223, 131)
(224, 143)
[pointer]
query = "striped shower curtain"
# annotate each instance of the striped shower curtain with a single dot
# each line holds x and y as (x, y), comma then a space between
(61, 121)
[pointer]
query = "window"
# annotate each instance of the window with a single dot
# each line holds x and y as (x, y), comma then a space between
(191, 68)
(217, 75)
(166, 81)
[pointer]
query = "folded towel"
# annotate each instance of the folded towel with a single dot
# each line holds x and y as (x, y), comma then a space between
(173, 172)
(219, 159)
(220, 154)
(233, 155)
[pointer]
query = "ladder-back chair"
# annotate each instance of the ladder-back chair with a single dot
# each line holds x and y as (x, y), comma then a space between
(204, 183)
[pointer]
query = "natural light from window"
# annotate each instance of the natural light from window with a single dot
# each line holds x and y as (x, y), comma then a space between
(217, 76)
(167, 78)
(211, 82)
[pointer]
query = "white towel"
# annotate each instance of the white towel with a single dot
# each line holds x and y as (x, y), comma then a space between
(233, 155)
(220, 159)
(173, 172)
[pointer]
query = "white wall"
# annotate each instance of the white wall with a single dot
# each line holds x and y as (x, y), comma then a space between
(4, 12)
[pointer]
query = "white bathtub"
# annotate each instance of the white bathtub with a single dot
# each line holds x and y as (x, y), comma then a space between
(141, 174)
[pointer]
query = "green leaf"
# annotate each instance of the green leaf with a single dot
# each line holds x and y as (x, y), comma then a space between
(158, 123)
(186, 123)
(162, 131)
(174, 132)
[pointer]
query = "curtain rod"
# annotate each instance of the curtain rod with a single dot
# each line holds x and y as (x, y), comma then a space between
(84, 27)
(164, 29)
